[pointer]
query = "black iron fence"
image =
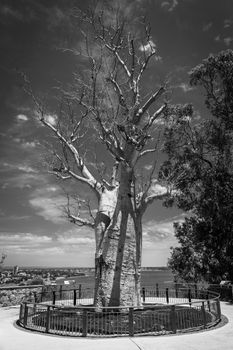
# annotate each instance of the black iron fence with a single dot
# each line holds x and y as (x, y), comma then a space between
(164, 311)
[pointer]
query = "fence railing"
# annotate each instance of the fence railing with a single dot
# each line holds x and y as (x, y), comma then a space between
(164, 311)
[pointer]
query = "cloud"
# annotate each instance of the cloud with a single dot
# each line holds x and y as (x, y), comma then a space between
(42, 246)
(148, 167)
(23, 238)
(26, 169)
(156, 189)
(149, 47)
(24, 243)
(22, 117)
(76, 240)
(228, 40)
(51, 118)
(169, 5)
(7, 11)
(206, 27)
(185, 87)
(160, 233)
(24, 180)
(228, 23)
(50, 208)
(29, 145)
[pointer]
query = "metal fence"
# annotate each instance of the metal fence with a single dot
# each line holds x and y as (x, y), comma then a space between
(164, 311)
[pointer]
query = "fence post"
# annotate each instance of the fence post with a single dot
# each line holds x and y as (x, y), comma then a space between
(47, 326)
(25, 316)
(167, 296)
(176, 290)
(143, 295)
(80, 291)
(84, 334)
(208, 302)
(189, 296)
(173, 318)
(230, 293)
(219, 309)
(54, 297)
(131, 327)
(157, 290)
(75, 296)
(195, 286)
(203, 313)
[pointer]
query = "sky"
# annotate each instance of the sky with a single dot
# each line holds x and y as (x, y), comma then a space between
(33, 227)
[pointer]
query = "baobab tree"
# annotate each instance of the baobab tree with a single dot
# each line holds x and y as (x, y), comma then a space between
(109, 101)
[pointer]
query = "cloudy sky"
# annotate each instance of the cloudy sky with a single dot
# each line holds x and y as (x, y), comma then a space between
(33, 229)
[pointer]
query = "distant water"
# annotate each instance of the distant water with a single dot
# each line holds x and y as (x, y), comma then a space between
(149, 278)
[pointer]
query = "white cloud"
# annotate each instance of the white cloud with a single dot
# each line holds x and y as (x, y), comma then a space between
(29, 144)
(52, 119)
(149, 47)
(76, 240)
(227, 41)
(169, 5)
(156, 189)
(148, 167)
(23, 238)
(228, 23)
(207, 26)
(22, 117)
(24, 180)
(160, 234)
(50, 209)
(6, 10)
(26, 169)
(185, 87)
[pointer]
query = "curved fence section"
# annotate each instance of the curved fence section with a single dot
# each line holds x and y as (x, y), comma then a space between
(163, 312)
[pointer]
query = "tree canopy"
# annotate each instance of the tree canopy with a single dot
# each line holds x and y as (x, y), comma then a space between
(200, 164)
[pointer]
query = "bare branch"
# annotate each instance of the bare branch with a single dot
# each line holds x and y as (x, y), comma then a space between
(147, 151)
(119, 59)
(119, 92)
(155, 116)
(156, 191)
(59, 175)
(81, 222)
(76, 219)
(114, 173)
(150, 101)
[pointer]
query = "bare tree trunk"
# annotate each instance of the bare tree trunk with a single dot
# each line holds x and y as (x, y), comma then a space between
(117, 275)
(118, 249)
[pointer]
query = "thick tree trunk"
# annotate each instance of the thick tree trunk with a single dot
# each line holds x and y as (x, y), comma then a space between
(118, 250)
(117, 275)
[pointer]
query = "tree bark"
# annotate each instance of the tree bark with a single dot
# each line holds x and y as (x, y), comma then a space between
(118, 247)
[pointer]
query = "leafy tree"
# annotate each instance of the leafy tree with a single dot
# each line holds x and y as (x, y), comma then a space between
(109, 104)
(200, 163)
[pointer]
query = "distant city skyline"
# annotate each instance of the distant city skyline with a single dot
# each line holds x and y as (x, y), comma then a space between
(33, 228)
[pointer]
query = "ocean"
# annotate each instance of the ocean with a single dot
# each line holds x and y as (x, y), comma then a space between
(149, 278)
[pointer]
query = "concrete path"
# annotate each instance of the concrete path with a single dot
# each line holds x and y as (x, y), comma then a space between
(13, 338)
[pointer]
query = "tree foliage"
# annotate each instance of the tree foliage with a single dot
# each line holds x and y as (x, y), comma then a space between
(201, 165)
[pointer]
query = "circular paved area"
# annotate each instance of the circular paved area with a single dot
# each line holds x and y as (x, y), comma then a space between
(14, 338)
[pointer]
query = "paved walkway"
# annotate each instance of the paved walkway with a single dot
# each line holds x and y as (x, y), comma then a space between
(13, 338)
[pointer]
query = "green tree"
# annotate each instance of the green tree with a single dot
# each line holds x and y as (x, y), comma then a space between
(201, 165)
